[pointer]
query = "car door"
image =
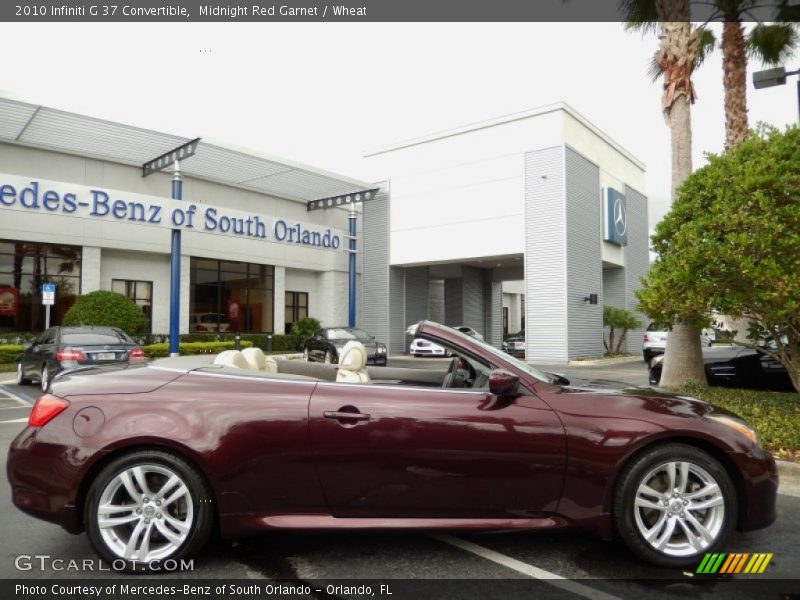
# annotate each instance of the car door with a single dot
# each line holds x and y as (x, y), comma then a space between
(314, 344)
(37, 354)
(435, 453)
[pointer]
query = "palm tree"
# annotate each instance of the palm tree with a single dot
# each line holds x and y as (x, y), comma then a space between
(682, 48)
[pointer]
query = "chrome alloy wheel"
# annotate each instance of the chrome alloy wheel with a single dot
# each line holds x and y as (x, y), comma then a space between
(679, 509)
(145, 513)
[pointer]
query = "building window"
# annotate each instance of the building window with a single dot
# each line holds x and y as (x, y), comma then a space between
(230, 296)
(141, 292)
(296, 308)
(24, 267)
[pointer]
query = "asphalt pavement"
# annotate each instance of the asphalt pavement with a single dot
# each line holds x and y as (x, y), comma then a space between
(594, 568)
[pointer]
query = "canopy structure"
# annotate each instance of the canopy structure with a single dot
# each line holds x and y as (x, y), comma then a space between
(49, 128)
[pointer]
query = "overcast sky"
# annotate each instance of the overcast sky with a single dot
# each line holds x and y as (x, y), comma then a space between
(324, 93)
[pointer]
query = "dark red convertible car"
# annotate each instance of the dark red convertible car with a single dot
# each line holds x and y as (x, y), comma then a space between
(151, 459)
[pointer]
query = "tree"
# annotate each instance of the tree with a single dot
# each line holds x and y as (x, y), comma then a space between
(681, 48)
(304, 328)
(107, 309)
(618, 319)
(732, 242)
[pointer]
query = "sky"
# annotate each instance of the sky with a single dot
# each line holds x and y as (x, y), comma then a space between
(326, 93)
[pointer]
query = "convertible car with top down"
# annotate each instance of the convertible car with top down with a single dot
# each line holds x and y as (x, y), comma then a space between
(151, 459)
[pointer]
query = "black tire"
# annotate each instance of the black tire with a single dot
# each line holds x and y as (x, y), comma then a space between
(330, 358)
(647, 356)
(45, 379)
(20, 379)
(199, 531)
(624, 511)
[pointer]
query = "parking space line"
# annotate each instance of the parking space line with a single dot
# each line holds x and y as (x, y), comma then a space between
(23, 398)
(23, 420)
(520, 567)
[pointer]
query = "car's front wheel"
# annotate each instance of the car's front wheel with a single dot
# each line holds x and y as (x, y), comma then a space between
(673, 504)
(21, 379)
(145, 508)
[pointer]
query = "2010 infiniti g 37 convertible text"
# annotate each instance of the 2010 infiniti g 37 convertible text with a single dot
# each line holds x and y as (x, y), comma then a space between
(150, 459)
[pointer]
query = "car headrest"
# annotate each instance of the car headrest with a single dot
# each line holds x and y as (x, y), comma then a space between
(231, 358)
(353, 356)
(255, 358)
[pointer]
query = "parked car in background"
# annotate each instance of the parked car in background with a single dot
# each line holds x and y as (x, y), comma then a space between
(63, 348)
(515, 346)
(734, 366)
(326, 344)
(420, 347)
(469, 331)
(491, 443)
(209, 322)
(655, 340)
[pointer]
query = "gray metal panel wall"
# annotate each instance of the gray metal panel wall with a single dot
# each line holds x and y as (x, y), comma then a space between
(436, 300)
(416, 299)
(637, 258)
(473, 297)
(493, 314)
(374, 251)
(584, 258)
(397, 310)
(614, 287)
(453, 302)
(545, 256)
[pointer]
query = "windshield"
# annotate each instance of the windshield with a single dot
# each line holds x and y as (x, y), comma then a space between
(95, 338)
(522, 366)
(348, 334)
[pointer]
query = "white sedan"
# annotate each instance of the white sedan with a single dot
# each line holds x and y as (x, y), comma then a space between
(420, 347)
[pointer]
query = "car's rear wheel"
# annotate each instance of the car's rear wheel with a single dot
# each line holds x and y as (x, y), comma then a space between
(673, 504)
(21, 379)
(145, 508)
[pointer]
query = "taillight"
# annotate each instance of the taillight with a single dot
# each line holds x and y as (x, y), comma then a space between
(45, 409)
(68, 354)
(646, 339)
(137, 354)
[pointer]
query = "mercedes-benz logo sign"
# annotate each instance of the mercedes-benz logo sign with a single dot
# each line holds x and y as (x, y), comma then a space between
(620, 218)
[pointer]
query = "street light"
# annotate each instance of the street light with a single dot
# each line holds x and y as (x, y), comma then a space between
(773, 77)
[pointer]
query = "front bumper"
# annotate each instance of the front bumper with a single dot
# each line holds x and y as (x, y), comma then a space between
(760, 491)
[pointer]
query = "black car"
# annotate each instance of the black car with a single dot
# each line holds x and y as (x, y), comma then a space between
(65, 348)
(326, 344)
(734, 366)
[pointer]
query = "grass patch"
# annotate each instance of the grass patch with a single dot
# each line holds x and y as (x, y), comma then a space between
(775, 415)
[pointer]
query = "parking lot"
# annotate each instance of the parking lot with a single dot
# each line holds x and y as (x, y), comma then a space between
(591, 567)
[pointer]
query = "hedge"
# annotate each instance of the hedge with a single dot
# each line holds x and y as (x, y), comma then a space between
(9, 353)
(191, 348)
(775, 415)
(280, 343)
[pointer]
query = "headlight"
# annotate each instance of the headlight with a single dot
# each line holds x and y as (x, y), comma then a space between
(381, 349)
(738, 425)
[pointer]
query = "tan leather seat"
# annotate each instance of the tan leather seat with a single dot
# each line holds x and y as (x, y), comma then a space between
(258, 361)
(232, 359)
(353, 364)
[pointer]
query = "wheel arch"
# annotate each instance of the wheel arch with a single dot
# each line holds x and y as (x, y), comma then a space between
(701, 444)
(160, 446)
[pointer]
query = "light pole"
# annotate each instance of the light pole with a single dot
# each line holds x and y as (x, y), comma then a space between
(774, 77)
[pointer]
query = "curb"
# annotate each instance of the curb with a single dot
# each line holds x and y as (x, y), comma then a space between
(605, 361)
(789, 470)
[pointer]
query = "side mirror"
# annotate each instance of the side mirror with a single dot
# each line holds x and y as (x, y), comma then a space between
(503, 383)
(26, 345)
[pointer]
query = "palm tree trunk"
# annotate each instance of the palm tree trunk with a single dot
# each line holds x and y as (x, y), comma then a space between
(734, 69)
(683, 358)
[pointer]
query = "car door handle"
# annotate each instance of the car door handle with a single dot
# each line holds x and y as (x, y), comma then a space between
(336, 414)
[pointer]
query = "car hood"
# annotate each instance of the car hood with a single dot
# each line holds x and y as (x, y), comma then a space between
(370, 346)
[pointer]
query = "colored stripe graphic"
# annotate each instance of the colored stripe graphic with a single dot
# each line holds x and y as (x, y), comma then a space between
(734, 563)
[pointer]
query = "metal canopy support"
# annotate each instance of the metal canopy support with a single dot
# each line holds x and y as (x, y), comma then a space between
(338, 202)
(173, 157)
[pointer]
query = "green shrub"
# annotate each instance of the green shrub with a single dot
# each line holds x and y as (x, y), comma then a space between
(191, 348)
(9, 353)
(304, 329)
(108, 309)
(280, 343)
(775, 415)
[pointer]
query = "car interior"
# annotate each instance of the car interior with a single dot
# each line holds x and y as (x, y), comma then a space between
(463, 372)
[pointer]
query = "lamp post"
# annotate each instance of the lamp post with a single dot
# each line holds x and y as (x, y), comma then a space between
(775, 77)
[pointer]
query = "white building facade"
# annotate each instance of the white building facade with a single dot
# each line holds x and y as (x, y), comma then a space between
(543, 197)
(76, 211)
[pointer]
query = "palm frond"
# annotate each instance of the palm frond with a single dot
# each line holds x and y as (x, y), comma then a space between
(789, 13)
(707, 43)
(639, 15)
(654, 70)
(772, 44)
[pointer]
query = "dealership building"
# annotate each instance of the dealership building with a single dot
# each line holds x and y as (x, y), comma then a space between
(542, 202)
